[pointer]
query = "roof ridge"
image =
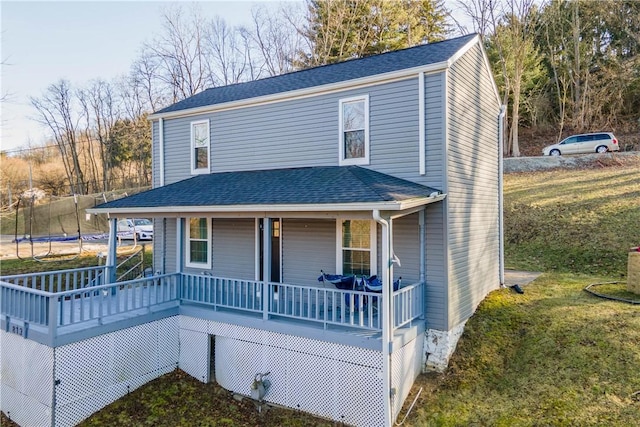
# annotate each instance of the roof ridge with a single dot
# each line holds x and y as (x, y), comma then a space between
(348, 60)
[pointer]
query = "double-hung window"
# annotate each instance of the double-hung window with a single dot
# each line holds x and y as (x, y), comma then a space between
(354, 131)
(198, 243)
(200, 145)
(357, 247)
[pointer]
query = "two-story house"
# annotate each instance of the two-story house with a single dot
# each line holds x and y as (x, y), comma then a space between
(387, 165)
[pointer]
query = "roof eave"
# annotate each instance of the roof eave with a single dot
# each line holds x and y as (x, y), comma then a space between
(329, 207)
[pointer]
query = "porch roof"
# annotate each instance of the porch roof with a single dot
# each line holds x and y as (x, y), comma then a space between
(322, 188)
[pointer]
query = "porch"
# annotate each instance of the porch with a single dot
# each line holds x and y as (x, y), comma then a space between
(61, 307)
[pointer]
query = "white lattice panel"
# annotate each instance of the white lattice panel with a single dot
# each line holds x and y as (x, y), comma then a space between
(23, 410)
(95, 372)
(236, 364)
(359, 395)
(168, 343)
(194, 354)
(334, 381)
(406, 366)
(318, 370)
(26, 380)
(82, 368)
(194, 324)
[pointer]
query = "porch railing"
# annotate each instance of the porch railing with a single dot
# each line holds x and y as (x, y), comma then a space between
(69, 300)
(24, 307)
(327, 306)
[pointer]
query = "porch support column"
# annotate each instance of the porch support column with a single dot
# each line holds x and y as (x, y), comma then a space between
(111, 251)
(266, 265)
(387, 321)
(180, 238)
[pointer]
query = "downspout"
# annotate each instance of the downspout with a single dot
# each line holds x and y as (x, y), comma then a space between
(503, 110)
(423, 246)
(386, 317)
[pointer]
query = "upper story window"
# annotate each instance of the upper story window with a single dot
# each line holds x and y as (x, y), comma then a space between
(200, 144)
(198, 243)
(354, 131)
(357, 247)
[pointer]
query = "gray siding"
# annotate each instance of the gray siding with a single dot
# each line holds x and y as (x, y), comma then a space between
(234, 248)
(436, 290)
(308, 246)
(304, 132)
(472, 202)
(164, 245)
(406, 245)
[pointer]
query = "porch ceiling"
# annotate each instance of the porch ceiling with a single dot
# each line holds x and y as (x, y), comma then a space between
(312, 189)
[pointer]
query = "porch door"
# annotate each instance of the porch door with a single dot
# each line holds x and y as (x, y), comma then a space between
(276, 256)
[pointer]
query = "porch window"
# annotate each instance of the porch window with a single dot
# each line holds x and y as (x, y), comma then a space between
(200, 143)
(357, 247)
(198, 243)
(354, 131)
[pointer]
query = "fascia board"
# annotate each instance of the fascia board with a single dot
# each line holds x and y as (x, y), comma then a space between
(346, 207)
(307, 92)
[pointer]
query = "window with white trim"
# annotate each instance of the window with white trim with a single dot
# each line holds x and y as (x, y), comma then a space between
(357, 247)
(200, 145)
(198, 243)
(354, 131)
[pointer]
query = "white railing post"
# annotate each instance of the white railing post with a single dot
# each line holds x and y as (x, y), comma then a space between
(53, 317)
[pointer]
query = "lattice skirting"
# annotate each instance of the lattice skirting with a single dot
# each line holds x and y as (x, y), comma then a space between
(82, 377)
(334, 381)
(43, 386)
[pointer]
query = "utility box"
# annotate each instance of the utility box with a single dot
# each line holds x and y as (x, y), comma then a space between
(633, 272)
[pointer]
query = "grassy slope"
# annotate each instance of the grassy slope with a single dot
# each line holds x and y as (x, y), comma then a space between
(581, 221)
(553, 356)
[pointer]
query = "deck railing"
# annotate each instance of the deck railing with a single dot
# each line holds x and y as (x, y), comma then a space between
(71, 300)
(60, 281)
(23, 308)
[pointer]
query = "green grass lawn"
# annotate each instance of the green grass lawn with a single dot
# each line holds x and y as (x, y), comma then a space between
(555, 356)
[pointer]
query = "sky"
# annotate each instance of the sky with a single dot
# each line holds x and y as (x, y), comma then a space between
(42, 42)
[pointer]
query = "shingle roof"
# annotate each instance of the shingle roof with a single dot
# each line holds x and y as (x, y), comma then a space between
(427, 54)
(298, 186)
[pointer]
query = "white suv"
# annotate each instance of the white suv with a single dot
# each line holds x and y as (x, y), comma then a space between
(584, 143)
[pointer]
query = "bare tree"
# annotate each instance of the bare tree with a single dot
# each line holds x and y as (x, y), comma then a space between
(227, 51)
(55, 111)
(274, 36)
(176, 58)
(101, 113)
(509, 28)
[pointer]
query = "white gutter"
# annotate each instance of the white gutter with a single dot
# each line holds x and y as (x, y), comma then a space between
(387, 326)
(503, 109)
(421, 124)
(387, 206)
